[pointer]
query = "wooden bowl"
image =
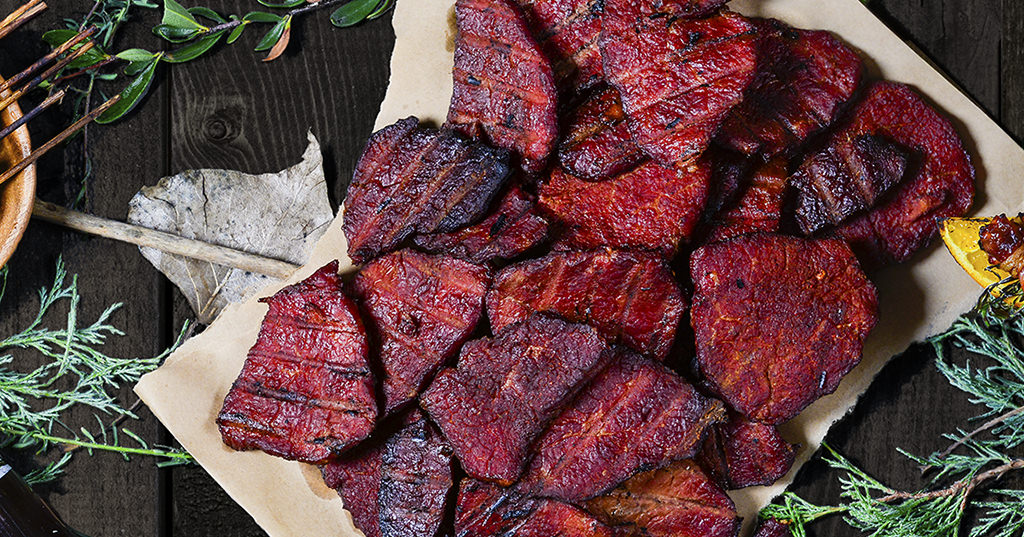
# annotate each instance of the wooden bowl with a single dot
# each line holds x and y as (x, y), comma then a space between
(18, 194)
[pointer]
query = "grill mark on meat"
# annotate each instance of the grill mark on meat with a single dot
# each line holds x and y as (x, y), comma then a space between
(742, 453)
(484, 510)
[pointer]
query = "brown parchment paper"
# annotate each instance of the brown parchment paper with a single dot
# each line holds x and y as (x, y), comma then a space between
(918, 299)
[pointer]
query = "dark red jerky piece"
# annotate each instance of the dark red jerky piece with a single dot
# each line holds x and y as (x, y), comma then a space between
(778, 320)
(635, 415)
(653, 207)
(742, 453)
(504, 86)
(1000, 239)
(730, 173)
(943, 185)
(769, 527)
(515, 227)
(506, 389)
(675, 501)
(306, 391)
(422, 309)
(678, 77)
(356, 476)
(413, 179)
(597, 143)
(760, 206)
(486, 510)
(416, 480)
(629, 297)
(804, 79)
(398, 487)
(842, 180)
(567, 31)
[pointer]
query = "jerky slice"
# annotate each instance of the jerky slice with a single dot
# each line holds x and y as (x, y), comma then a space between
(486, 510)
(653, 207)
(306, 391)
(413, 179)
(778, 320)
(803, 81)
(506, 389)
(760, 206)
(678, 77)
(675, 501)
(941, 185)
(567, 30)
(597, 143)
(769, 527)
(504, 86)
(742, 453)
(398, 487)
(423, 308)
(514, 228)
(635, 415)
(842, 180)
(629, 297)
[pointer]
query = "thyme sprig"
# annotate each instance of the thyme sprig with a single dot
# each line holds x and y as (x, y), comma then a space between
(75, 373)
(993, 332)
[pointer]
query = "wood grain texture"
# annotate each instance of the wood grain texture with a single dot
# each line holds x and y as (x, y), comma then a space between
(229, 110)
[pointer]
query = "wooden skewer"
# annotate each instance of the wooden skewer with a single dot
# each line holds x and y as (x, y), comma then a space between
(165, 242)
(13, 97)
(75, 127)
(21, 16)
(66, 46)
(56, 97)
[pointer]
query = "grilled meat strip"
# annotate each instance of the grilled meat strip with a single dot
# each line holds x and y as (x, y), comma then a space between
(306, 390)
(422, 308)
(597, 144)
(486, 510)
(413, 179)
(778, 320)
(741, 453)
(506, 389)
(760, 205)
(504, 86)
(567, 31)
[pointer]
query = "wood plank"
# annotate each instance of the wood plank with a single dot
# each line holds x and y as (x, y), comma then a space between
(231, 110)
(101, 495)
(1012, 68)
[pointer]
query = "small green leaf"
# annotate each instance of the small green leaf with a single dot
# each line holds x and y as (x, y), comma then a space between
(353, 12)
(385, 5)
(177, 16)
(136, 55)
(56, 38)
(261, 16)
(195, 49)
(175, 35)
(145, 3)
(237, 32)
(107, 76)
(282, 3)
(271, 38)
(132, 94)
(207, 13)
(135, 68)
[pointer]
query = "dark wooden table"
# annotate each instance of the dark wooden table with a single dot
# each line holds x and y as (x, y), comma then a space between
(229, 110)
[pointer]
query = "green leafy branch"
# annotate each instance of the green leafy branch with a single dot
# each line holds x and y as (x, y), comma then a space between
(75, 373)
(993, 332)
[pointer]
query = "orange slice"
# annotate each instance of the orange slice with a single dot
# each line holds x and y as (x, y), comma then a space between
(961, 236)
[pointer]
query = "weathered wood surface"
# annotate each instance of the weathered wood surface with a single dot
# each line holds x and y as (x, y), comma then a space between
(230, 110)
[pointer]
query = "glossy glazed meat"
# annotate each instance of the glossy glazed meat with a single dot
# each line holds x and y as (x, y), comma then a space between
(421, 308)
(506, 389)
(597, 143)
(1003, 241)
(772, 528)
(675, 501)
(512, 229)
(742, 453)
(845, 179)
(629, 297)
(504, 86)
(635, 415)
(306, 390)
(486, 510)
(567, 31)
(940, 183)
(399, 487)
(778, 320)
(804, 80)
(652, 207)
(413, 179)
(760, 205)
(678, 77)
